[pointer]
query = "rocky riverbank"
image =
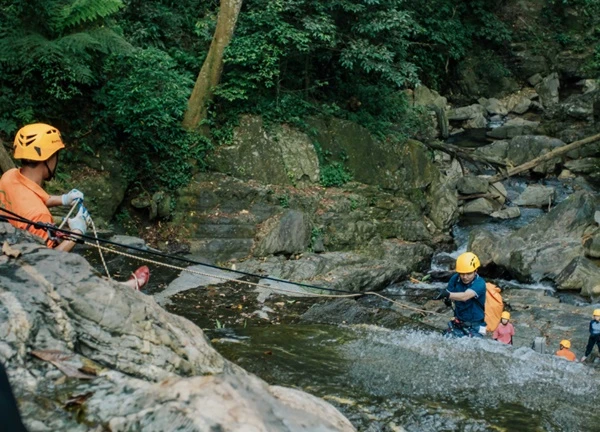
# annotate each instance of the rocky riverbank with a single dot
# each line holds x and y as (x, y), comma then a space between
(84, 353)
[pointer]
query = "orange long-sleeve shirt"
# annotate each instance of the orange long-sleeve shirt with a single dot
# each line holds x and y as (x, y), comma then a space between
(27, 199)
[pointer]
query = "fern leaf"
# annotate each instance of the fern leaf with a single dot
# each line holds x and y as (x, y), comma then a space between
(83, 11)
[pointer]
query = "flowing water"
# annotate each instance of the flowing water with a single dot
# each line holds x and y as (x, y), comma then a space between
(389, 379)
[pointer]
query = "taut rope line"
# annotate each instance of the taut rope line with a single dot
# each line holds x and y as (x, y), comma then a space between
(256, 284)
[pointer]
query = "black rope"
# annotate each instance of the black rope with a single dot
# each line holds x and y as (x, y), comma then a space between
(46, 226)
(79, 237)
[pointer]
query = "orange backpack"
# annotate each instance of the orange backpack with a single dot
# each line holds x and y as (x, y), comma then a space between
(493, 306)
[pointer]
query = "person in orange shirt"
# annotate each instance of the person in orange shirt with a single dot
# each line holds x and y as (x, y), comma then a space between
(37, 146)
(505, 330)
(21, 191)
(565, 350)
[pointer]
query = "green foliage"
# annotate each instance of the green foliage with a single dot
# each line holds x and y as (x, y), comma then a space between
(592, 68)
(49, 65)
(284, 200)
(63, 16)
(315, 234)
(332, 173)
(143, 100)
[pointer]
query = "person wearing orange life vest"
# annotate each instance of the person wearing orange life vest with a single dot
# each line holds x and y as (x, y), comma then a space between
(565, 350)
(467, 289)
(37, 146)
(505, 330)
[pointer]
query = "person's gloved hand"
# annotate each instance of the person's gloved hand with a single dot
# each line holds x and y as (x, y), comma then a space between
(72, 196)
(80, 221)
(442, 295)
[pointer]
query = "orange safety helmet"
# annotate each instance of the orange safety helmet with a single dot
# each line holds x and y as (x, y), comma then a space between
(505, 315)
(37, 142)
(566, 343)
(467, 263)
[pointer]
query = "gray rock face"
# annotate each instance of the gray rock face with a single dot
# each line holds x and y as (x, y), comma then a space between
(466, 113)
(385, 263)
(580, 275)
(548, 90)
(152, 370)
(287, 233)
(513, 128)
(281, 156)
(507, 213)
(545, 247)
(592, 246)
(494, 106)
(521, 149)
(536, 196)
(470, 185)
(481, 206)
(224, 218)
(423, 96)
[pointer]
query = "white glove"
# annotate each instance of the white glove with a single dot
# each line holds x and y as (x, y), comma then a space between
(69, 198)
(80, 221)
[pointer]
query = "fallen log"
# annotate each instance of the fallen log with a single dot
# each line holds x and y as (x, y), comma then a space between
(543, 158)
(460, 153)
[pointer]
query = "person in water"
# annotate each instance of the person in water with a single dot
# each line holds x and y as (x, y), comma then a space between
(467, 289)
(37, 146)
(505, 331)
(565, 350)
(594, 338)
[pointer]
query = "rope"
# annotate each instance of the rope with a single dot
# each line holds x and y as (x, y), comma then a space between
(102, 255)
(257, 284)
(80, 238)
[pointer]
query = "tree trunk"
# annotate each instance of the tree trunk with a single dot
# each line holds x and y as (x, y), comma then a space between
(6, 162)
(210, 73)
(545, 157)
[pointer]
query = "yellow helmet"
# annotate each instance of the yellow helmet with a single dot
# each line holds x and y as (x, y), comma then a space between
(37, 142)
(596, 312)
(505, 315)
(566, 343)
(467, 263)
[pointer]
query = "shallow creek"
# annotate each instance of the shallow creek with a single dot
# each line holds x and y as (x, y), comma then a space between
(408, 377)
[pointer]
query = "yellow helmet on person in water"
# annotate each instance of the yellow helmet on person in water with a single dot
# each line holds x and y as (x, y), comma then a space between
(467, 263)
(505, 315)
(37, 142)
(565, 343)
(596, 312)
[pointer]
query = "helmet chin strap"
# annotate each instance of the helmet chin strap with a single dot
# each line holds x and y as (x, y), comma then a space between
(51, 173)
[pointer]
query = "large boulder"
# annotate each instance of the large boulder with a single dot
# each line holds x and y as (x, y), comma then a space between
(581, 275)
(548, 90)
(466, 112)
(425, 97)
(286, 233)
(521, 149)
(140, 367)
(536, 196)
(383, 263)
(546, 246)
(279, 155)
(513, 128)
(398, 167)
(224, 218)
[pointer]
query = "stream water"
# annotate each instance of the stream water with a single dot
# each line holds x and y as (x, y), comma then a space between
(407, 378)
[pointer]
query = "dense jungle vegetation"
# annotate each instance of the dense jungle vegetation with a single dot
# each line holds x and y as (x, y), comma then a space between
(117, 74)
